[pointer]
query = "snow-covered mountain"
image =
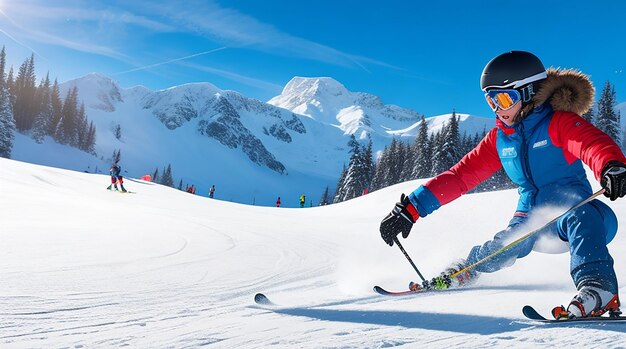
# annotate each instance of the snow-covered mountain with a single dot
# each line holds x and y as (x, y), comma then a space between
(329, 102)
(251, 151)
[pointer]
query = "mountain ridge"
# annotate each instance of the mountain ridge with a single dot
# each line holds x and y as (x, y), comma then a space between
(214, 136)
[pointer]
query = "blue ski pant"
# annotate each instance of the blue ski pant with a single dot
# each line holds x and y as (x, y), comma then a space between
(587, 230)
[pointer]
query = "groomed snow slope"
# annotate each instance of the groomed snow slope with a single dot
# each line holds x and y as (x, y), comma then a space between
(81, 266)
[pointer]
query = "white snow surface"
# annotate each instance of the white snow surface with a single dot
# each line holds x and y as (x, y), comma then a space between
(84, 267)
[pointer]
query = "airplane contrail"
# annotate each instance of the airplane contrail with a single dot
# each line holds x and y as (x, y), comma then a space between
(13, 38)
(170, 61)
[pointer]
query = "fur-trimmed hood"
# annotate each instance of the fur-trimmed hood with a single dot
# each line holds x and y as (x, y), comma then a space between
(565, 90)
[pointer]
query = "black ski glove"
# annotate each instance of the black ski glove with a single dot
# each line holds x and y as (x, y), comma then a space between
(400, 220)
(614, 180)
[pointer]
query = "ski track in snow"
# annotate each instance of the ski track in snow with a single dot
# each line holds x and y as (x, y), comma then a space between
(84, 267)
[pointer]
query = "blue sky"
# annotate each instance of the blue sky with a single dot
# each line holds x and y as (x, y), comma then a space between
(422, 55)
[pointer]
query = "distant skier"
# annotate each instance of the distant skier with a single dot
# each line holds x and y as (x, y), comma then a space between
(212, 191)
(278, 202)
(539, 140)
(302, 200)
(116, 177)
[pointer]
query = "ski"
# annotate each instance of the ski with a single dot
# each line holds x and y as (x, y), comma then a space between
(122, 192)
(413, 289)
(262, 299)
(384, 292)
(532, 314)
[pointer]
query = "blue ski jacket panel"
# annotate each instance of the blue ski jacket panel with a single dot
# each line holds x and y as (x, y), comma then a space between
(538, 167)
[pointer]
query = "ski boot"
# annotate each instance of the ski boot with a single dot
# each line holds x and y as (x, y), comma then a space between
(437, 283)
(446, 279)
(123, 190)
(414, 286)
(589, 302)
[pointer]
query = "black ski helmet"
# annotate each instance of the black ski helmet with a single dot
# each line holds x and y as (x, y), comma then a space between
(512, 70)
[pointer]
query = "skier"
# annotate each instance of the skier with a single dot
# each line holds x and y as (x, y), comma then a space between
(212, 191)
(278, 202)
(116, 177)
(541, 142)
(302, 200)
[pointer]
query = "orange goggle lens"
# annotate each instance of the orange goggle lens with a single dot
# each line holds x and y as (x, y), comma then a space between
(502, 99)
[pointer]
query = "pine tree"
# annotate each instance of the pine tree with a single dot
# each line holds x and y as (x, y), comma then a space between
(180, 184)
(422, 152)
(57, 112)
(69, 119)
(389, 169)
(384, 167)
(469, 143)
(381, 171)
(406, 172)
(167, 178)
(24, 107)
(357, 174)
(155, 176)
(82, 128)
(607, 118)
(438, 158)
(3, 63)
(44, 111)
(7, 123)
(325, 198)
(10, 84)
(90, 142)
(368, 164)
(398, 160)
(450, 145)
(340, 185)
(117, 130)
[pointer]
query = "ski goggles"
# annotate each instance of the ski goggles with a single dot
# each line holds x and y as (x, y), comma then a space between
(502, 99)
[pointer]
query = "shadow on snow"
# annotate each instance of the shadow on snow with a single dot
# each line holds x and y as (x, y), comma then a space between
(471, 324)
(461, 323)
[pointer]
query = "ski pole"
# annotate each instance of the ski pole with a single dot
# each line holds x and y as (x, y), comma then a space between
(526, 236)
(395, 239)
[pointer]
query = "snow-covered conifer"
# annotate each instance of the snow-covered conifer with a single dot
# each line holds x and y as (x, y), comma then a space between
(607, 118)
(7, 124)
